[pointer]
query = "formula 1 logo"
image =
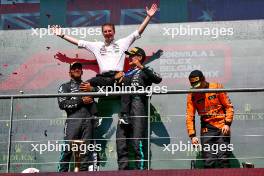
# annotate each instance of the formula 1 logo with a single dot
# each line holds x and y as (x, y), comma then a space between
(177, 62)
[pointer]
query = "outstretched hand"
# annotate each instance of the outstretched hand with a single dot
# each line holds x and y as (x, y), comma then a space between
(153, 9)
(150, 13)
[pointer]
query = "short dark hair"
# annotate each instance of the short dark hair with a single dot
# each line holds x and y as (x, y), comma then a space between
(196, 78)
(196, 73)
(108, 24)
(74, 65)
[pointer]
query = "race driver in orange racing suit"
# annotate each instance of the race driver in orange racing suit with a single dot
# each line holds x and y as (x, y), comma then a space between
(216, 115)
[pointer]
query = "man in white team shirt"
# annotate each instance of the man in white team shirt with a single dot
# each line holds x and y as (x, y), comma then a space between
(110, 53)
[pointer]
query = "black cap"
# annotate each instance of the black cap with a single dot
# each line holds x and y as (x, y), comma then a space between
(195, 78)
(75, 65)
(136, 51)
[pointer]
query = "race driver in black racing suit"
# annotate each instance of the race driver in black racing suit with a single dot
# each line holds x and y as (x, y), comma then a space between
(80, 122)
(133, 122)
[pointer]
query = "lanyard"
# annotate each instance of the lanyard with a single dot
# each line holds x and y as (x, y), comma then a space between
(131, 72)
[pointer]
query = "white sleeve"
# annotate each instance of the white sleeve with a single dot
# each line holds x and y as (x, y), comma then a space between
(87, 45)
(129, 40)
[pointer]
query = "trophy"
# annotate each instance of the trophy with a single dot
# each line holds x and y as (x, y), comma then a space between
(77, 155)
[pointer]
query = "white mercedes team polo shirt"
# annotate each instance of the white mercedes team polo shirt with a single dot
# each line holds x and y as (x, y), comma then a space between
(112, 57)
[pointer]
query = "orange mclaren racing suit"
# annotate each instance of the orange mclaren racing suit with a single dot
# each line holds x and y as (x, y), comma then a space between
(215, 110)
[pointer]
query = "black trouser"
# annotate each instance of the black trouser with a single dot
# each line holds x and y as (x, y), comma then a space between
(215, 157)
(126, 99)
(104, 79)
(137, 128)
(77, 129)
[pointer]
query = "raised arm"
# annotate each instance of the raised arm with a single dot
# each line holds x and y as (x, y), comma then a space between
(57, 31)
(150, 13)
(127, 41)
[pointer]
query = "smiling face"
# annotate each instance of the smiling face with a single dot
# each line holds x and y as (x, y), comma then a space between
(108, 33)
(134, 59)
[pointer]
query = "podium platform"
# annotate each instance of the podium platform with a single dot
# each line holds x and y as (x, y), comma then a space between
(178, 172)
